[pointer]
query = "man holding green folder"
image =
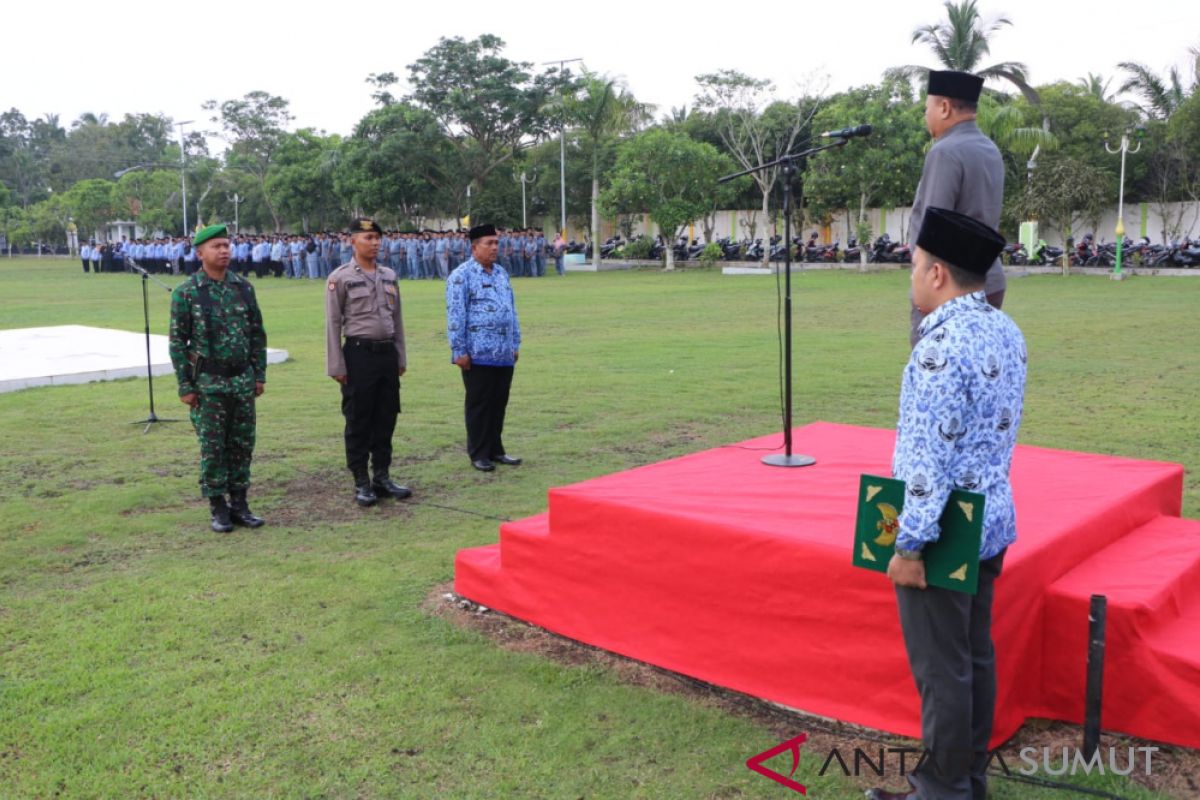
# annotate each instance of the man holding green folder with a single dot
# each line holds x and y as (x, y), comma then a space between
(961, 400)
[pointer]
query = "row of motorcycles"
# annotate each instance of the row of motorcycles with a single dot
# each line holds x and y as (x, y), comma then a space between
(884, 250)
(1088, 253)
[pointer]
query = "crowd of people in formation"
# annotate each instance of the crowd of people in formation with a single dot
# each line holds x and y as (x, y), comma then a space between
(426, 254)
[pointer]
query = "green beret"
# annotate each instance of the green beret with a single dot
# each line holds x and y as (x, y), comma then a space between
(211, 232)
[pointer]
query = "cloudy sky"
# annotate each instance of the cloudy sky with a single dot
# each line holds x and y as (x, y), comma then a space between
(134, 56)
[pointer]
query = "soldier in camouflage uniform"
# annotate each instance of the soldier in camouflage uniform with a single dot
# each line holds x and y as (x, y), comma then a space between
(219, 351)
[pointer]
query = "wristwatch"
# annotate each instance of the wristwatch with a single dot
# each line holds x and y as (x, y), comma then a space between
(909, 555)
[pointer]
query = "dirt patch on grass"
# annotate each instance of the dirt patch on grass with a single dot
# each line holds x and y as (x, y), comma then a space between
(1176, 769)
(313, 500)
(656, 446)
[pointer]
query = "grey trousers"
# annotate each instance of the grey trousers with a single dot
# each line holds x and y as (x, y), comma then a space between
(948, 636)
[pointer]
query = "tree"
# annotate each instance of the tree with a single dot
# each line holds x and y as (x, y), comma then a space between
(604, 110)
(489, 107)
(754, 128)
(301, 178)
(150, 198)
(91, 204)
(1160, 96)
(668, 176)
(97, 148)
(399, 162)
(961, 42)
(878, 170)
(381, 81)
(26, 145)
(1081, 122)
(1097, 86)
(1063, 193)
(1004, 124)
(542, 162)
(255, 127)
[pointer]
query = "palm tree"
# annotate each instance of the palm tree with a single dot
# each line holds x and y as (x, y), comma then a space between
(1096, 86)
(1160, 96)
(90, 118)
(603, 109)
(961, 43)
(1002, 123)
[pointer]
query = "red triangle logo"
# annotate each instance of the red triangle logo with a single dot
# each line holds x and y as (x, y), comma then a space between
(791, 745)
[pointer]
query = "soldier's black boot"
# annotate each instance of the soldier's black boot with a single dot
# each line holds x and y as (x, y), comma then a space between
(221, 523)
(384, 486)
(239, 510)
(364, 495)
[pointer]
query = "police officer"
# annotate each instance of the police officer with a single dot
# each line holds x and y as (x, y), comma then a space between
(963, 171)
(485, 340)
(219, 351)
(364, 352)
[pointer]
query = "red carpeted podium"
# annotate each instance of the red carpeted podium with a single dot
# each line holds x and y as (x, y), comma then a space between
(738, 574)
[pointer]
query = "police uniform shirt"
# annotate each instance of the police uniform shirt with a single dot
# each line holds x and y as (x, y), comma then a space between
(963, 172)
(363, 305)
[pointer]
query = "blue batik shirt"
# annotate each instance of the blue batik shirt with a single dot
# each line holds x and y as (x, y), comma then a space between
(481, 315)
(961, 401)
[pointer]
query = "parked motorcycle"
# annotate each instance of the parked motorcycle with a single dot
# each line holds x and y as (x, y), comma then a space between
(885, 251)
(853, 251)
(1014, 254)
(1044, 254)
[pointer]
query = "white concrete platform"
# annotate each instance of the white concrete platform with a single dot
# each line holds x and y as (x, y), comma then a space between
(66, 354)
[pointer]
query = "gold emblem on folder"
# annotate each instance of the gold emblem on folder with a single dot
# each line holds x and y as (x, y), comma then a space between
(867, 555)
(959, 574)
(968, 509)
(872, 491)
(889, 526)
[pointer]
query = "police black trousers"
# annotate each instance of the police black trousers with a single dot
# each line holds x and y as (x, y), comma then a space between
(948, 636)
(486, 402)
(370, 403)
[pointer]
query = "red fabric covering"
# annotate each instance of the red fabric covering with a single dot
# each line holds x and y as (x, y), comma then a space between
(719, 567)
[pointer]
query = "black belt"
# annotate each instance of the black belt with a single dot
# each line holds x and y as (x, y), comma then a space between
(223, 369)
(372, 345)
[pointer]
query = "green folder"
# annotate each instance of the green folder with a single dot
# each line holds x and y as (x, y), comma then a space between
(952, 562)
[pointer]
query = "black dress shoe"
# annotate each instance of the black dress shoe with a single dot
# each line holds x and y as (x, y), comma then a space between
(882, 794)
(483, 465)
(221, 523)
(386, 487)
(364, 495)
(510, 460)
(240, 513)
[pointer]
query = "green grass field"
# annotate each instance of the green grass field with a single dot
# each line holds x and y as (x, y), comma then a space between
(143, 656)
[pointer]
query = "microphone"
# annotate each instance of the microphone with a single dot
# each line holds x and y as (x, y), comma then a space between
(848, 133)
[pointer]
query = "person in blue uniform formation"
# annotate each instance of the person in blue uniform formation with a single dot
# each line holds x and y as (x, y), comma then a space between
(961, 400)
(485, 343)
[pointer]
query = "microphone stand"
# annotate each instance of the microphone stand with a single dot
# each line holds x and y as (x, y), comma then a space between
(788, 162)
(153, 418)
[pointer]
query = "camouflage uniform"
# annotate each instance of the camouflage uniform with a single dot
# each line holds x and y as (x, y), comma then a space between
(219, 351)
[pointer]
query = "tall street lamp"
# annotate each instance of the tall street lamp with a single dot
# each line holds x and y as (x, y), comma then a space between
(562, 152)
(183, 172)
(524, 180)
(1120, 230)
